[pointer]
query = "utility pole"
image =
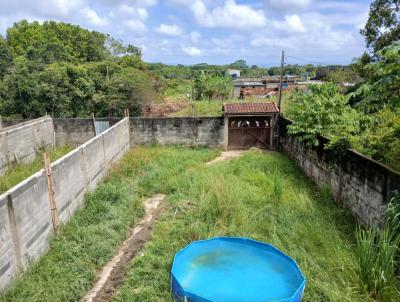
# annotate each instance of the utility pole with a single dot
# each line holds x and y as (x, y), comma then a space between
(280, 82)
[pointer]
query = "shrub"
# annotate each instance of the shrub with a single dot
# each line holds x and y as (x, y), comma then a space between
(323, 111)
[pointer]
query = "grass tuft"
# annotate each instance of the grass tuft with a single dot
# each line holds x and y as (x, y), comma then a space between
(376, 252)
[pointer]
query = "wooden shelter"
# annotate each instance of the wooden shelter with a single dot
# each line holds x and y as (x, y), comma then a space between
(250, 125)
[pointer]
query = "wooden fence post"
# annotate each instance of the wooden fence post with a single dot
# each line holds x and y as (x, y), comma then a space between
(52, 193)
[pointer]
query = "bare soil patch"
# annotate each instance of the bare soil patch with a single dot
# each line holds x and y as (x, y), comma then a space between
(226, 155)
(164, 109)
(114, 272)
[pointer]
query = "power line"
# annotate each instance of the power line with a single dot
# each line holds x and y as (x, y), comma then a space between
(316, 62)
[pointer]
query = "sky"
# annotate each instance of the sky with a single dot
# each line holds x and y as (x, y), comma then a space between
(214, 31)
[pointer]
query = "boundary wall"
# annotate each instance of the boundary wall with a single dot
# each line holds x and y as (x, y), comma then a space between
(21, 142)
(203, 131)
(359, 183)
(25, 215)
(76, 131)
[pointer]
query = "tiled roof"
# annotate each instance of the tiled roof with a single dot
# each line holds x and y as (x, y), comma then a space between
(250, 108)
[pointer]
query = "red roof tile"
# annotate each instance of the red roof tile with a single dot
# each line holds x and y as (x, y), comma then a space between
(250, 108)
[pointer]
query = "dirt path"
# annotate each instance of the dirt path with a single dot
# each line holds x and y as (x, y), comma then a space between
(226, 155)
(114, 272)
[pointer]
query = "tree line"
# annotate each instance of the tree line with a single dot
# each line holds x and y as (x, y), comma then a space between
(67, 71)
(180, 71)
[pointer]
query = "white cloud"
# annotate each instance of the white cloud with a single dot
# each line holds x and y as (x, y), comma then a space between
(138, 12)
(287, 5)
(172, 30)
(136, 3)
(192, 51)
(230, 15)
(135, 25)
(93, 18)
(318, 38)
(44, 8)
(195, 36)
(292, 23)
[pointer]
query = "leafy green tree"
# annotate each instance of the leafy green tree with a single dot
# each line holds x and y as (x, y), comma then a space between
(383, 25)
(131, 89)
(68, 71)
(381, 137)
(21, 87)
(382, 86)
(5, 57)
(323, 111)
(54, 42)
(239, 64)
(342, 76)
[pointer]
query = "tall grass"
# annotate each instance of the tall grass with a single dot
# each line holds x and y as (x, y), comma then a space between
(230, 198)
(18, 172)
(82, 246)
(376, 253)
(277, 188)
(235, 198)
(392, 213)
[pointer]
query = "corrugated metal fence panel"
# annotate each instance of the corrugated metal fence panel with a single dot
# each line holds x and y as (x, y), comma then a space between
(101, 126)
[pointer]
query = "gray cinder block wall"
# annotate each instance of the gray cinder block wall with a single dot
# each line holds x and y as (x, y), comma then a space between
(357, 182)
(76, 131)
(25, 216)
(21, 142)
(203, 131)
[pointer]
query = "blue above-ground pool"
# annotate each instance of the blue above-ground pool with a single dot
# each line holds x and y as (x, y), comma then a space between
(235, 270)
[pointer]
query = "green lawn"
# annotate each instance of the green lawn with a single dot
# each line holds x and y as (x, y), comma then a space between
(260, 195)
(18, 173)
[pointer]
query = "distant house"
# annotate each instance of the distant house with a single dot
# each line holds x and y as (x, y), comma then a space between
(253, 86)
(265, 86)
(234, 73)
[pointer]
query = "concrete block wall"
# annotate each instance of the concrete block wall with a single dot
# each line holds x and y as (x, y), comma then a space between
(8, 263)
(10, 123)
(24, 140)
(357, 182)
(25, 216)
(206, 131)
(76, 131)
(73, 131)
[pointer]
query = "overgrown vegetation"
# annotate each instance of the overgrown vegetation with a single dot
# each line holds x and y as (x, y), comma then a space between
(81, 247)
(212, 86)
(233, 198)
(323, 111)
(238, 198)
(69, 71)
(378, 252)
(19, 172)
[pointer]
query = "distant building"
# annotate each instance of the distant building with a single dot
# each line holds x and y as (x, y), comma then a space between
(265, 86)
(234, 73)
